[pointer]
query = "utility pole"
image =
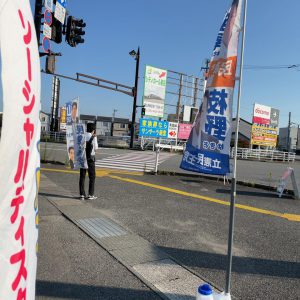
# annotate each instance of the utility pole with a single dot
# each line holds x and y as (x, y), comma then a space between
(112, 122)
(132, 129)
(179, 98)
(289, 133)
(55, 104)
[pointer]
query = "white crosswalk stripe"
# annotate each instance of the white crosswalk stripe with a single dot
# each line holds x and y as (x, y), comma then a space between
(135, 161)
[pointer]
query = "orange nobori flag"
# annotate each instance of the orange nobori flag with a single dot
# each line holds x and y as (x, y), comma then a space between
(208, 147)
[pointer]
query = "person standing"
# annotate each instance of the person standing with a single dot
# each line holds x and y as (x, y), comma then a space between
(91, 146)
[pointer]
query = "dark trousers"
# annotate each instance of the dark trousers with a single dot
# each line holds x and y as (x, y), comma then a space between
(92, 175)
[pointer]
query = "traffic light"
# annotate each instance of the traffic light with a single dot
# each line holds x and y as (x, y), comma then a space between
(74, 31)
(56, 33)
(143, 111)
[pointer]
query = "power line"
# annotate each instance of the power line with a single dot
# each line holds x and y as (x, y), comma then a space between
(271, 67)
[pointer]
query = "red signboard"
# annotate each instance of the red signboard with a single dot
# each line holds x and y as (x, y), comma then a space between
(184, 131)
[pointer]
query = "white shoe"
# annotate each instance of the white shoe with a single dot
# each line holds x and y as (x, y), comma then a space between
(92, 197)
(82, 197)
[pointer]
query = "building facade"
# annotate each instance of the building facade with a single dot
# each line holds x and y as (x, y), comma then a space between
(105, 126)
(45, 121)
(293, 143)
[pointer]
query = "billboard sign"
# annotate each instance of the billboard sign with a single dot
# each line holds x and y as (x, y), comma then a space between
(261, 114)
(264, 136)
(274, 118)
(63, 118)
(154, 128)
(173, 130)
(154, 91)
(184, 131)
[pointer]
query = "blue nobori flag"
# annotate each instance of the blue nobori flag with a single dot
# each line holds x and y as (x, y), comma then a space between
(207, 149)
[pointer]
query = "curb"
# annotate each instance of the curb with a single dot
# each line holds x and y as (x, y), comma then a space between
(216, 178)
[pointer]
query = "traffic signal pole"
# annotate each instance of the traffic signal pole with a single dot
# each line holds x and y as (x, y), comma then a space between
(132, 129)
(37, 19)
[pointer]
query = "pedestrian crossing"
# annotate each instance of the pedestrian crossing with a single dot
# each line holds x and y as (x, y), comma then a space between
(134, 161)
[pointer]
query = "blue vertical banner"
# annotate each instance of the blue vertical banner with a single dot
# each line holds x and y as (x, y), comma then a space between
(208, 147)
(79, 147)
(75, 136)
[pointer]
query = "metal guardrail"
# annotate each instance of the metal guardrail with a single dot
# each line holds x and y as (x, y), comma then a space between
(260, 154)
(56, 137)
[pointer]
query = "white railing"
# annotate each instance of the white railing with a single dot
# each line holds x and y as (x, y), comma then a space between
(260, 154)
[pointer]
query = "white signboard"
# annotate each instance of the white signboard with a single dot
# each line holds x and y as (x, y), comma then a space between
(261, 114)
(60, 13)
(154, 91)
(289, 172)
(172, 130)
(47, 31)
(49, 5)
(187, 113)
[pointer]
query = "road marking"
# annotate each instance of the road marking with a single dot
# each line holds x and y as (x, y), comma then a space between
(132, 161)
(289, 217)
(99, 172)
(59, 170)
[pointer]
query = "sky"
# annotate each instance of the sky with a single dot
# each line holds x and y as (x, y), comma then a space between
(177, 35)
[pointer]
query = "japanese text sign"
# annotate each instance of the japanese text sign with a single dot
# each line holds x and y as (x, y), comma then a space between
(154, 91)
(154, 128)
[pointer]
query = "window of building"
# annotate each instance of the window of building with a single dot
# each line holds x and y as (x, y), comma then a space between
(123, 126)
(106, 124)
(43, 119)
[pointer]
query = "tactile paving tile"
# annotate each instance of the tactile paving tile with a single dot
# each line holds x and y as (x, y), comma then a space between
(101, 227)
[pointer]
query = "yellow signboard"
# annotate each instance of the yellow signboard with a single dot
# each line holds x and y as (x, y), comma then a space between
(264, 136)
(63, 115)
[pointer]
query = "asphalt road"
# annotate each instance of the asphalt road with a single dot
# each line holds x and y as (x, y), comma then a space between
(182, 216)
(267, 173)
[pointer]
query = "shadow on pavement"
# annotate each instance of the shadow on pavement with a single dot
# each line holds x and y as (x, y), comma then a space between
(256, 194)
(57, 196)
(52, 290)
(242, 265)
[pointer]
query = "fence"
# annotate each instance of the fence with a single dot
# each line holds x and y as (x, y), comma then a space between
(260, 154)
(54, 137)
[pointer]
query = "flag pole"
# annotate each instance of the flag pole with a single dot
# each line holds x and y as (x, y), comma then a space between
(233, 181)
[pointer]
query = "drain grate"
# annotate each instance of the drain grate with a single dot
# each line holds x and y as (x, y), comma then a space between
(101, 227)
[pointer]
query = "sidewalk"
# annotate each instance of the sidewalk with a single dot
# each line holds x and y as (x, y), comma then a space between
(85, 255)
(71, 265)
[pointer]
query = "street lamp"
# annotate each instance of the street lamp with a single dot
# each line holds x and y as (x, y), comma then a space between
(136, 56)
